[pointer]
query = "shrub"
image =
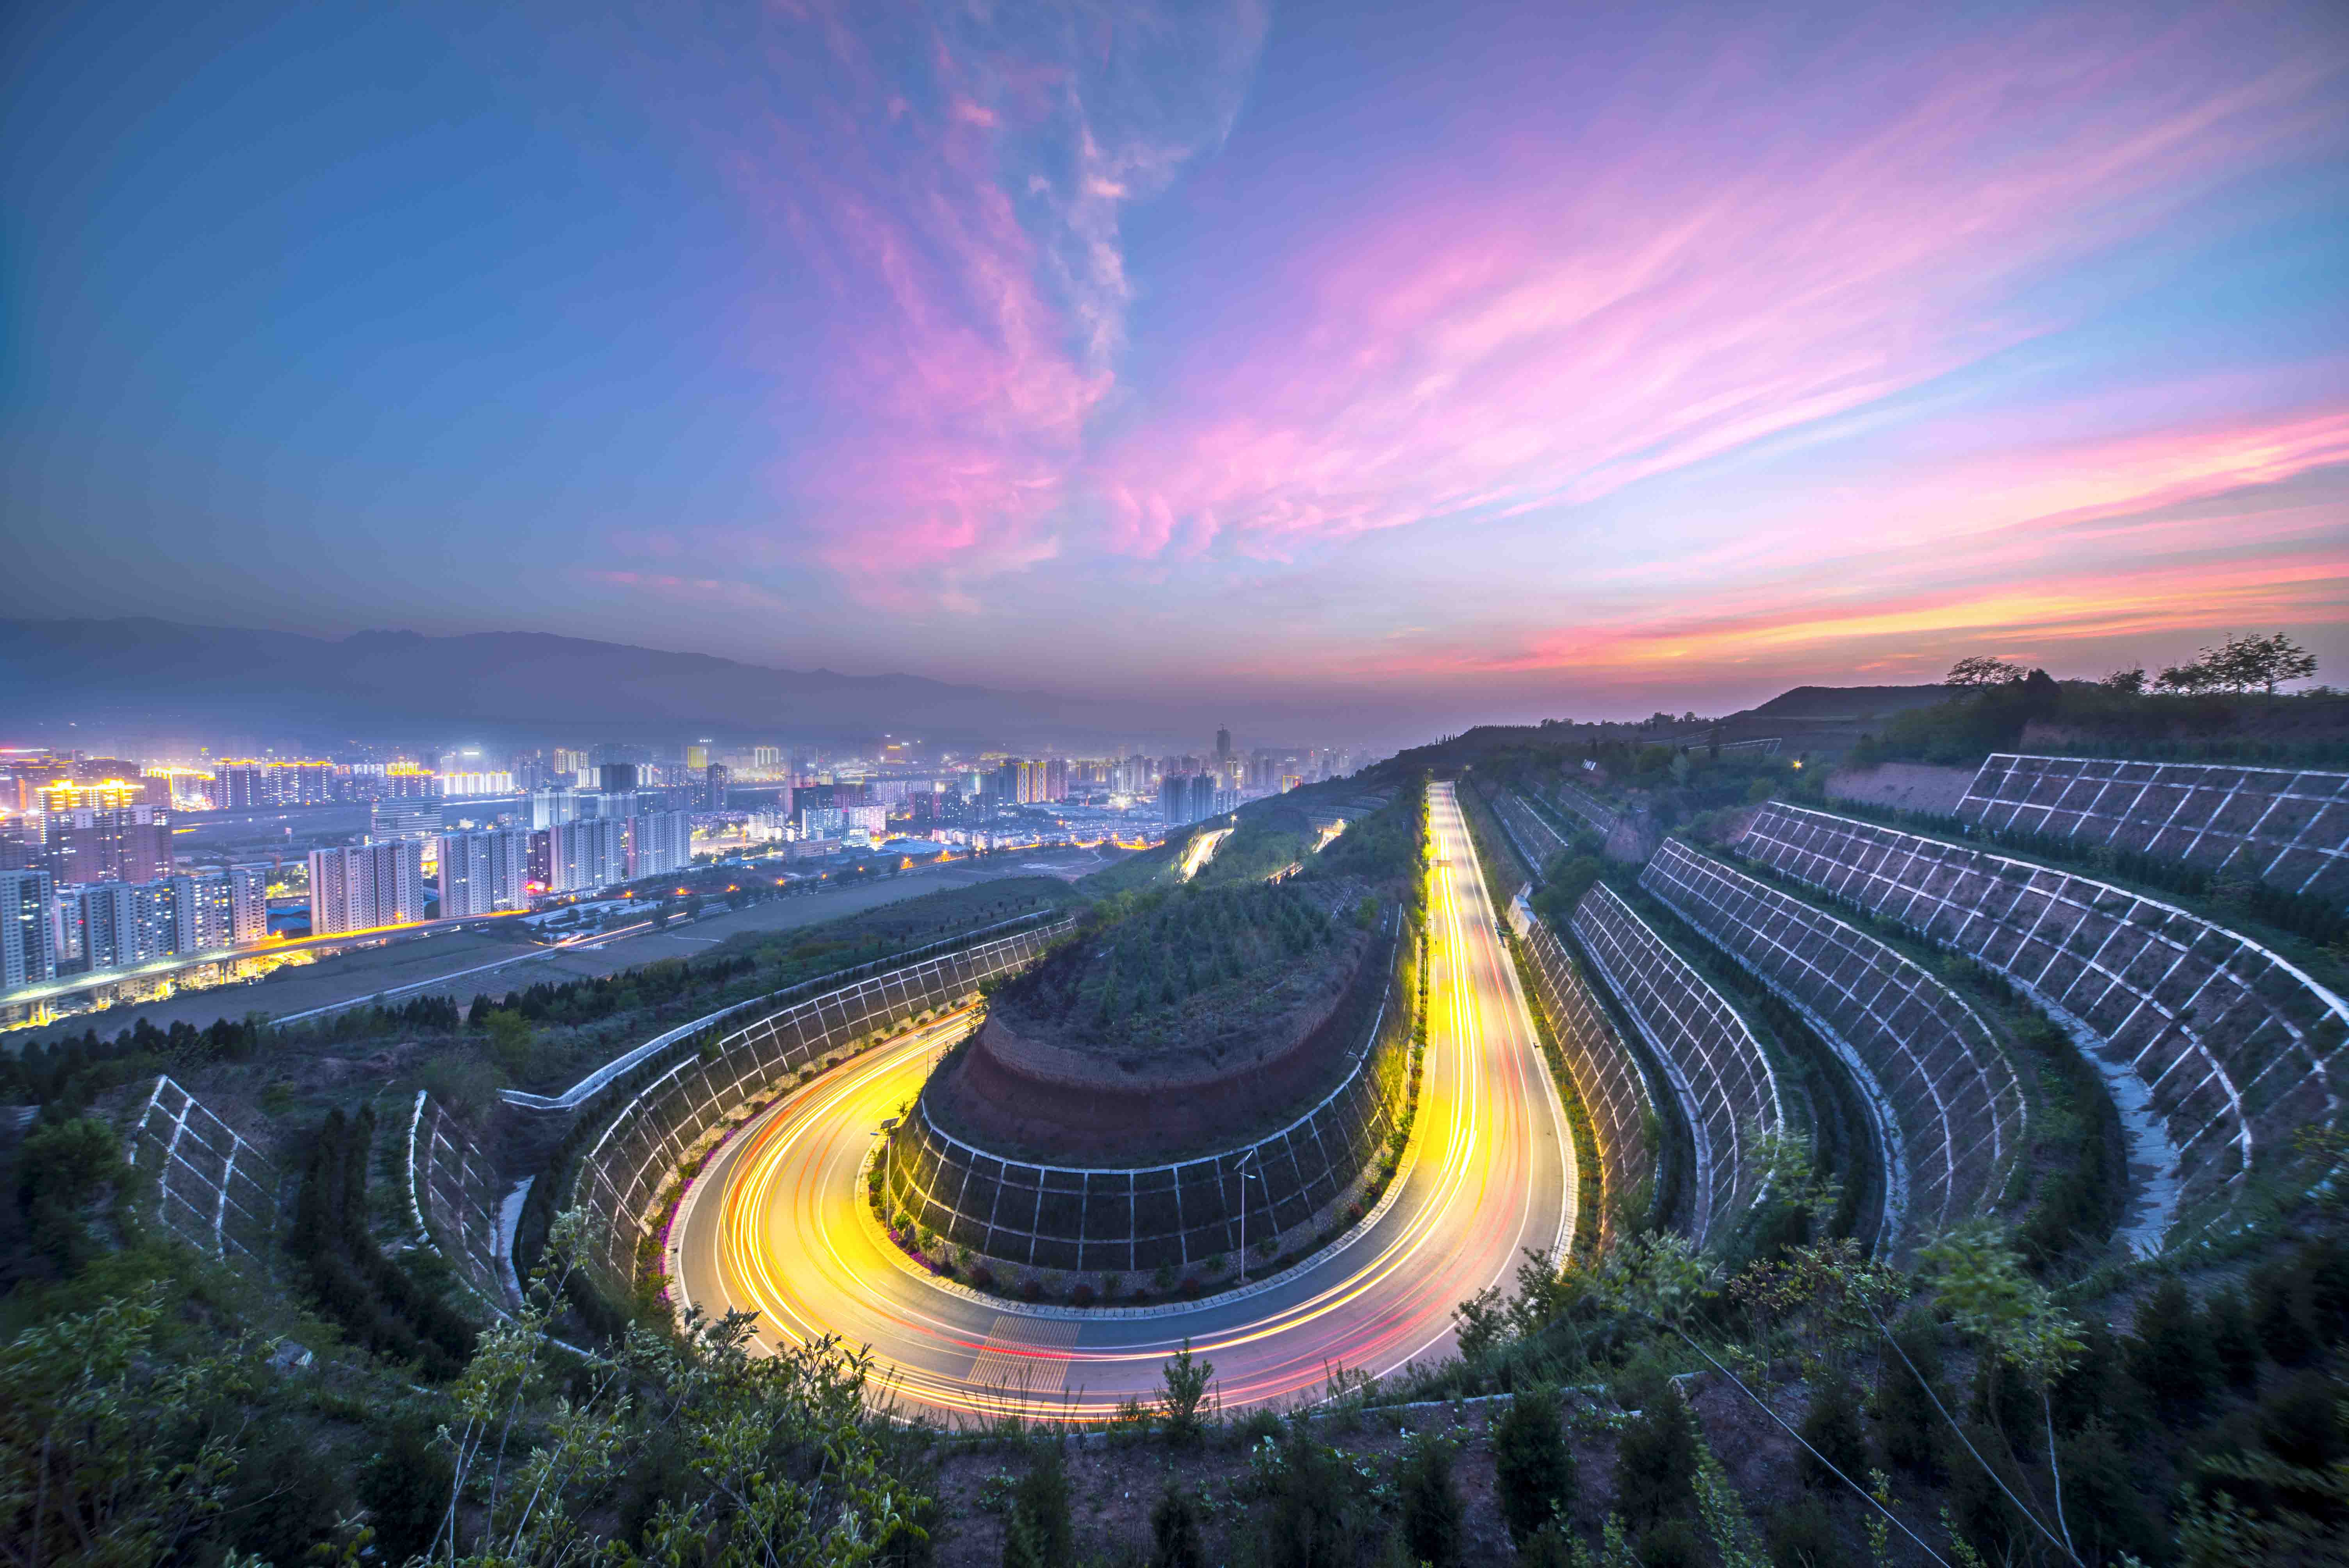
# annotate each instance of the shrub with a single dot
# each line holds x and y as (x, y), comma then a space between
(1655, 1462)
(1672, 1544)
(2233, 1342)
(2101, 1504)
(1832, 1427)
(1188, 1405)
(1533, 1468)
(2280, 1313)
(1913, 1433)
(1802, 1536)
(2169, 1353)
(59, 1168)
(1082, 1295)
(1036, 1530)
(1175, 1531)
(2325, 1271)
(1430, 1504)
(2300, 1422)
(406, 1489)
(1317, 1516)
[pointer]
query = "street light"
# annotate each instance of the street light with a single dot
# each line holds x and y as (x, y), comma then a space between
(1241, 1171)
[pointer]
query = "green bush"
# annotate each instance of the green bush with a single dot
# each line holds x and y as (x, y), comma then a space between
(2280, 1315)
(2300, 1422)
(1802, 1535)
(1533, 1467)
(2169, 1353)
(1175, 1531)
(1672, 1544)
(1430, 1504)
(2103, 1506)
(1037, 1528)
(405, 1486)
(60, 1169)
(1913, 1433)
(1832, 1427)
(2234, 1344)
(1655, 1462)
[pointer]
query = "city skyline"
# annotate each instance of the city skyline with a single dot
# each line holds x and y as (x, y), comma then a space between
(1551, 364)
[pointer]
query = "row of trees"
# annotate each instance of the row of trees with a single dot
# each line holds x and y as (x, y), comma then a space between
(2238, 666)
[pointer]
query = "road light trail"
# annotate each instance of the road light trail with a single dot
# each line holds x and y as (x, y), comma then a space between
(773, 1224)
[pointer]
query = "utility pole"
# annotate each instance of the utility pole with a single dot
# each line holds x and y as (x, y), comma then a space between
(1241, 1168)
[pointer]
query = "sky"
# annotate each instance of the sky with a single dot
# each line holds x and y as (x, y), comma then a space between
(1493, 360)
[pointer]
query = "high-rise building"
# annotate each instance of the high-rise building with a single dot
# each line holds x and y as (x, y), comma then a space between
(118, 923)
(28, 954)
(659, 843)
(553, 806)
(403, 817)
(697, 757)
(1223, 744)
(617, 777)
(370, 885)
(462, 785)
(766, 759)
(108, 843)
(217, 908)
(484, 873)
(584, 855)
(714, 778)
(1187, 797)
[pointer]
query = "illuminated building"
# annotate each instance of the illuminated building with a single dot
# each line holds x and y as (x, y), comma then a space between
(28, 953)
(483, 872)
(113, 925)
(766, 759)
(617, 777)
(1223, 744)
(713, 787)
(106, 843)
(456, 786)
(584, 855)
(552, 807)
(659, 843)
(366, 886)
(403, 817)
(248, 783)
(697, 757)
(1186, 797)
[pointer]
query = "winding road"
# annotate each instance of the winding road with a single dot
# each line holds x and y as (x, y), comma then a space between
(776, 1225)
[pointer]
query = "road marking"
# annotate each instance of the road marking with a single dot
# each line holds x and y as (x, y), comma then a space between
(1026, 1355)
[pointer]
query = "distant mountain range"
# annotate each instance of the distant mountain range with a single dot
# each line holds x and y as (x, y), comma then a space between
(150, 675)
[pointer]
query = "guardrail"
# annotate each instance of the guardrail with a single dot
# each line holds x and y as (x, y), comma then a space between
(624, 1172)
(1928, 1058)
(1718, 1071)
(2234, 1047)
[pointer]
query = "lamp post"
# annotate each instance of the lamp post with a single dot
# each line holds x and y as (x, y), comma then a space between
(1241, 1171)
(888, 1152)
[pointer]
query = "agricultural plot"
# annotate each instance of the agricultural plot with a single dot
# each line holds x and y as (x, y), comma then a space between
(1948, 1091)
(1717, 1069)
(2236, 1049)
(213, 1189)
(625, 1171)
(2290, 830)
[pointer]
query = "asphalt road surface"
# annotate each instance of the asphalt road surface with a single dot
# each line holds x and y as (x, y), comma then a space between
(776, 1224)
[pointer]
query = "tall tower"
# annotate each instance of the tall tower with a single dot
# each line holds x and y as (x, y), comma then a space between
(1223, 745)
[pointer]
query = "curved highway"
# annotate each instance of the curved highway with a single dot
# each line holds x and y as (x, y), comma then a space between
(776, 1224)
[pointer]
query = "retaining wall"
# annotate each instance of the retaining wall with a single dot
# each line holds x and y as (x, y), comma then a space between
(2288, 829)
(1726, 1088)
(213, 1189)
(622, 1173)
(1607, 1077)
(1136, 1220)
(2236, 1046)
(1931, 1062)
(1536, 840)
(452, 1196)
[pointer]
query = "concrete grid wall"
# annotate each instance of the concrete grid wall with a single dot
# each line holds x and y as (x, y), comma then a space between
(2237, 1049)
(213, 1189)
(1727, 1091)
(1578, 801)
(1534, 839)
(2288, 829)
(1138, 1219)
(1950, 1090)
(1607, 1077)
(453, 1194)
(648, 1138)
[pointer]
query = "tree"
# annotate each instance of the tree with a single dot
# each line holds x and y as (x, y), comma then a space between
(60, 1168)
(1655, 1461)
(1533, 1468)
(2242, 665)
(2129, 682)
(1037, 1531)
(1187, 1404)
(1981, 670)
(2170, 1353)
(1832, 1427)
